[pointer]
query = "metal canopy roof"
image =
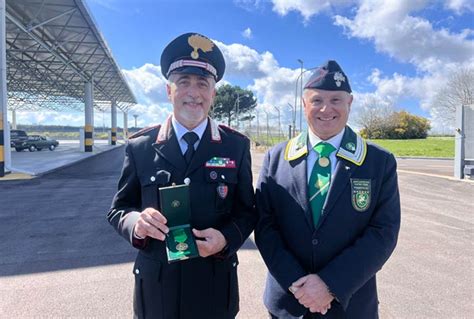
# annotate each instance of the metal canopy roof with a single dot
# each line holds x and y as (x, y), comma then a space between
(53, 48)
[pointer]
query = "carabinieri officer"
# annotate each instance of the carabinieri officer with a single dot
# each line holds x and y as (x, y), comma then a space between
(189, 147)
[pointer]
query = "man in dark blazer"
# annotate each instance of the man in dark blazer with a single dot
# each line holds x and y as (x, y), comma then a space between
(188, 148)
(329, 211)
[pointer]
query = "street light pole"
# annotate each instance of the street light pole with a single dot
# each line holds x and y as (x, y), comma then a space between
(279, 122)
(301, 94)
(293, 120)
(301, 98)
(237, 106)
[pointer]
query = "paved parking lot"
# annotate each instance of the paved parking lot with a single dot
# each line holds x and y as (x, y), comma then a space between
(60, 258)
(67, 152)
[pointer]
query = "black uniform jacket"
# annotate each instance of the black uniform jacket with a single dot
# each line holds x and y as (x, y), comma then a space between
(357, 232)
(199, 287)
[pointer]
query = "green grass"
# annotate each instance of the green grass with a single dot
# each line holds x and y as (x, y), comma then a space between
(430, 147)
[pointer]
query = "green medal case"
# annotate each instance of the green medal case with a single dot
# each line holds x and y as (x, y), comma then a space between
(175, 206)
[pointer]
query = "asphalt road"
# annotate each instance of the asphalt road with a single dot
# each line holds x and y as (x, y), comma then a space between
(60, 258)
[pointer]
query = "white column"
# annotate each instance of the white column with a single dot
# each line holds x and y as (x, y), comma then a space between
(114, 123)
(89, 117)
(459, 143)
(13, 119)
(125, 125)
(5, 156)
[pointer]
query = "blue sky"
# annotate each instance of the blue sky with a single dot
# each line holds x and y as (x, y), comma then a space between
(397, 51)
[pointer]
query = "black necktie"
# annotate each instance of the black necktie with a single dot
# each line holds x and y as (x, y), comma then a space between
(190, 139)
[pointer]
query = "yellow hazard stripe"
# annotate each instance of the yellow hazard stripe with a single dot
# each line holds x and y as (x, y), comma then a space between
(89, 142)
(114, 130)
(2, 155)
(88, 128)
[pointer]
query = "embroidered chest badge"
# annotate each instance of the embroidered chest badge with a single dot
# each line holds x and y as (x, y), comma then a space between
(222, 190)
(361, 194)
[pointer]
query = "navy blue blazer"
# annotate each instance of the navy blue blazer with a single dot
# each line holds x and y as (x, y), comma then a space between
(357, 232)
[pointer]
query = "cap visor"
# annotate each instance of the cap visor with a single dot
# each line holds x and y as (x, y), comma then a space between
(192, 70)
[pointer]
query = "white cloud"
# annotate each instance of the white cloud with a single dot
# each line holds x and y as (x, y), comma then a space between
(248, 5)
(272, 85)
(49, 117)
(405, 37)
(149, 86)
(244, 61)
(148, 114)
(397, 87)
(247, 33)
(460, 6)
(147, 83)
(396, 31)
(307, 8)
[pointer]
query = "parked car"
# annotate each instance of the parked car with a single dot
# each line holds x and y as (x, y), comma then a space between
(17, 137)
(38, 142)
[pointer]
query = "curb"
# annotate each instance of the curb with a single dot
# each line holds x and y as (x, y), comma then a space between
(425, 158)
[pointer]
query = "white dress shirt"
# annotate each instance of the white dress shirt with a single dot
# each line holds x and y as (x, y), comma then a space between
(180, 130)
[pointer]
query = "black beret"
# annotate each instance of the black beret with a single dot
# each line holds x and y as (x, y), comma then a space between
(193, 53)
(329, 77)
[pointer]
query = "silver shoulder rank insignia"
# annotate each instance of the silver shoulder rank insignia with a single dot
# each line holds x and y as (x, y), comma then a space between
(360, 194)
(338, 77)
(199, 42)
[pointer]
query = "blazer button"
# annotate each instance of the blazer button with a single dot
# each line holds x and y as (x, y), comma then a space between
(137, 271)
(315, 242)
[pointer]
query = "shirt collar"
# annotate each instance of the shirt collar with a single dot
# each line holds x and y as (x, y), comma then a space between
(334, 141)
(180, 130)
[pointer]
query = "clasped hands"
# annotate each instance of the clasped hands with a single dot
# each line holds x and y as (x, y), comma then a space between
(312, 292)
(152, 223)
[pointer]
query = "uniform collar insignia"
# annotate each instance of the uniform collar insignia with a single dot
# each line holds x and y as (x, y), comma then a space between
(296, 147)
(353, 147)
(165, 131)
(215, 135)
(167, 126)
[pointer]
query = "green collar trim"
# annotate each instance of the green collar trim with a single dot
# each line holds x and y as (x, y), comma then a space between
(297, 147)
(353, 147)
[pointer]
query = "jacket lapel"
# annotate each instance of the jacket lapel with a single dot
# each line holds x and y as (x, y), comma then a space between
(344, 170)
(205, 147)
(170, 151)
(299, 175)
(351, 155)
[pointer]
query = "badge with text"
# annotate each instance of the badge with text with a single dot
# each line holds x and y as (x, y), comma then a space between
(360, 194)
(222, 162)
(222, 190)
